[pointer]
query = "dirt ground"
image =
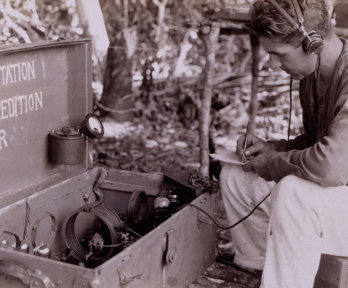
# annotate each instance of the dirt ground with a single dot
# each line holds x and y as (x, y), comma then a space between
(222, 276)
(219, 275)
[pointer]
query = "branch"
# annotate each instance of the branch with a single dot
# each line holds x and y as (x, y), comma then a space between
(185, 48)
(30, 5)
(17, 29)
(253, 107)
(161, 14)
(8, 10)
(125, 13)
(210, 38)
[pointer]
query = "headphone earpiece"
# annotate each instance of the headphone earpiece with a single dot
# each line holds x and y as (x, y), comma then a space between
(313, 43)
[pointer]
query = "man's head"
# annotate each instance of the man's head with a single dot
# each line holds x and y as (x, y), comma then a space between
(282, 41)
(268, 22)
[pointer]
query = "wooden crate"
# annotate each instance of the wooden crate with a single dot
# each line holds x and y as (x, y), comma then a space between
(45, 87)
(332, 273)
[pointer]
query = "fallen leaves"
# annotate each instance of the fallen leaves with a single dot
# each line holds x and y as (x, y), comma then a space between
(160, 140)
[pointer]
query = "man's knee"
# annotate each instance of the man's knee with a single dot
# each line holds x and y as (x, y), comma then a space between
(287, 193)
(230, 173)
(287, 188)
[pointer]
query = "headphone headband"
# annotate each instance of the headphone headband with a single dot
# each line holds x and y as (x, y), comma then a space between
(296, 25)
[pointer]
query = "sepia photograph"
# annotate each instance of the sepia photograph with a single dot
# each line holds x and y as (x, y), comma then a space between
(174, 143)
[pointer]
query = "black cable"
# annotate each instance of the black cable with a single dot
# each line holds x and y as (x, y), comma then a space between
(317, 74)
(317, 101)
(135, 233)
(290, 110)
(234, 224)
(317, 81)
(106, 246)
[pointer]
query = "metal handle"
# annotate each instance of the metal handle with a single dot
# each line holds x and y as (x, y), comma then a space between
(17, 244)
(52, 232)
(34, 279)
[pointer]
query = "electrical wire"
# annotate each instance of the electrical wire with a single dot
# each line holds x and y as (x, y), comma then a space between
(290, 109)
(234, 224)
(135, 233)
(106, 246)
(118, 244)
(317, 73)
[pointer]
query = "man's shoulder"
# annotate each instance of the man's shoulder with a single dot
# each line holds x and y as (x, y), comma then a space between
(342, 62)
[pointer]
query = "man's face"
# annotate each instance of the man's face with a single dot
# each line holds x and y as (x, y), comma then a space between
(292, 60)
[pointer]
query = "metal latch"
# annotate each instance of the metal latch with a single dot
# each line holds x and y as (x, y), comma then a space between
(169, 249)
(102, 174)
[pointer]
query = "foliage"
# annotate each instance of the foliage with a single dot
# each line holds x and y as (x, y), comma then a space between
(24, 21)
(161, 43)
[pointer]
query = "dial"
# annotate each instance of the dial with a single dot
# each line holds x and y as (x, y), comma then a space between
(94, 126)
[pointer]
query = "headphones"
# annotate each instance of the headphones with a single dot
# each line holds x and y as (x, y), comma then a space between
(313, 42)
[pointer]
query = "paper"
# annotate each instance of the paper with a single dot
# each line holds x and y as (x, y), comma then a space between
(228, 157)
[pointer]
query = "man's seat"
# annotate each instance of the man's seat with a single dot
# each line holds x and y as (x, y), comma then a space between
(332, 273)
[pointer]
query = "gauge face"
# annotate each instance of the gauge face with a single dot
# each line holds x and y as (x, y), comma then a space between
(95, 126)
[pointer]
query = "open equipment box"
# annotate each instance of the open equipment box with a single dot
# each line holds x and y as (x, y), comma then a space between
(65, 223)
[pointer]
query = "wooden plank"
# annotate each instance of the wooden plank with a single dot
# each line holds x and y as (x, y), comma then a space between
(127, 187)
(136, 178)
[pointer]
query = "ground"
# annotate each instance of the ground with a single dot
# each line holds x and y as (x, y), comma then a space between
(219, 275)
(222, 276)
(158, 139)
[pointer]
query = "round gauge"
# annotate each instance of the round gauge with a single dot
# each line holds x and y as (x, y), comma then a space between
(94, 127)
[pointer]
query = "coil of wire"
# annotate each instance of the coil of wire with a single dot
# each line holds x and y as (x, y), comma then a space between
(108, 218)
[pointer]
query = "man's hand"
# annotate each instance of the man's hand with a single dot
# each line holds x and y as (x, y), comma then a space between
(258, 153)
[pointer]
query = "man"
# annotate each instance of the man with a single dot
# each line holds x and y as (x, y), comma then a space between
(307, 212)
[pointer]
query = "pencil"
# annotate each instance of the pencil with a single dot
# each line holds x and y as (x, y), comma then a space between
(244, 158)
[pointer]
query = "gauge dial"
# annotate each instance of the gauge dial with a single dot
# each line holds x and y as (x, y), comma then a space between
(94, 126)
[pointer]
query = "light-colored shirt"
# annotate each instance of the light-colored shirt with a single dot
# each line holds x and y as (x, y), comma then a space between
(320, 154)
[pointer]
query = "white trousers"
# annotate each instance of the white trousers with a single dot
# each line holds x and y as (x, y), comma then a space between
(289, 231)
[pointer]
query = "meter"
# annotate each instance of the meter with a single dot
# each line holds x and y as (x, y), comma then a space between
(92, 127)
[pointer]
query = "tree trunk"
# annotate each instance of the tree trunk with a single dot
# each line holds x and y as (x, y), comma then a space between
(117, 85)
(210, 37)
(116, 100)
(92, 22)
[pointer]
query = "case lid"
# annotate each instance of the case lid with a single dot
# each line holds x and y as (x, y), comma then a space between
(44, 87)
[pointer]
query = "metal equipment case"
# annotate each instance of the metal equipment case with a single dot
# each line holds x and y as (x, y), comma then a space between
(46, 87)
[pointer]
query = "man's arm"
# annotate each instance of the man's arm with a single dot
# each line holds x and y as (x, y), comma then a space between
(301, 142)
(325, 162)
